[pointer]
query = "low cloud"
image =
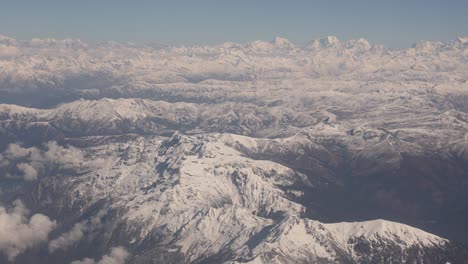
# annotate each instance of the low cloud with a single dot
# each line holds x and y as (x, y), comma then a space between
(69, 238)
(30, 161)
(77, 232)
(15, 151)
(68, 157)
(3, 161)
(29, 172)
(18, 232)
(117, 255)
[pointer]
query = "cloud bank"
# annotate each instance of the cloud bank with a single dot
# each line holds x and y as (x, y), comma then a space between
(78, 70)
(29, 172)
(77, 232)
(117, 255)
(18, 232)
(31, 161)
(69, 238)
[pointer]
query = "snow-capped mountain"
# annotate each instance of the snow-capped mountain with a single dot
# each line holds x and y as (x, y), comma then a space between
(196, 199)
(73, 69)
(305, 241)
(265, 152)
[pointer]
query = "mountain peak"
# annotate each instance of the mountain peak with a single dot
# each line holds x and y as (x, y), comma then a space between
(326, 42)
(276, 43)
(378, 229)
(260, 45)
(7, 40)
(361, 44)
(462, 39)
(427, 45)
(281, 42)
(330, 40)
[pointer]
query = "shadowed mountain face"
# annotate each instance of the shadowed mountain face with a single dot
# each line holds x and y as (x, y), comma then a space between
(258, 153)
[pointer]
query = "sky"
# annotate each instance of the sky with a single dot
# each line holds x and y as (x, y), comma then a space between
(396, 23)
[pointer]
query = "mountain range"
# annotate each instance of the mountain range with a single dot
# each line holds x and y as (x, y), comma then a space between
(264, 152)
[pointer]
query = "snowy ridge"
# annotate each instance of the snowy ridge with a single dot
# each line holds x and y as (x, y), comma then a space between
(93, 70)
(381, 229)
(205, 199)
(303, 240)
(406, 126)
(204, 186)
(238, 153)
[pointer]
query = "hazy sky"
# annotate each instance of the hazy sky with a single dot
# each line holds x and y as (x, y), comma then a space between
(396, 23)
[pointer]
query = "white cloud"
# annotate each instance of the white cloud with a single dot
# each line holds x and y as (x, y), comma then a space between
(84, 261)
(17, 151)
(3, 161)
(77, 232)
(29, 172)
(118, 255)
(32, 160)
(18, 232)
(69, 157)
(69, 238)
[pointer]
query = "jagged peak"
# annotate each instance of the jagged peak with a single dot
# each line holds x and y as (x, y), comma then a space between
(427, 45)
(230, 44)
(276, 43)
(326, 42)
(384, 229)
(462, 40)
(260, 44)
(361, 43)
(2, 37)
(330, 40)
(7, 40)
(282, 42)
(52, 42)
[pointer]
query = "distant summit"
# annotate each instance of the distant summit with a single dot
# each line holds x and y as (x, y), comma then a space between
(281, 42)
(326, 42)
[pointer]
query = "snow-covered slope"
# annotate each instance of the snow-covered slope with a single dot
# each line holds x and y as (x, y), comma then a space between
(201, 200)
(295, 240)
(74, 69)
(237, 153)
